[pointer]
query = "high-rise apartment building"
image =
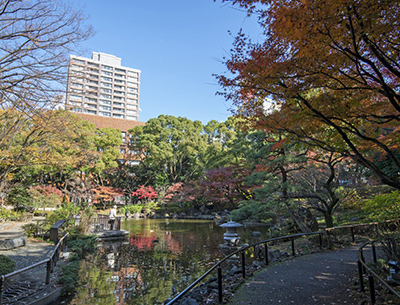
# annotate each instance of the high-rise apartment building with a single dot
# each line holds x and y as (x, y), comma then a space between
(101, 86)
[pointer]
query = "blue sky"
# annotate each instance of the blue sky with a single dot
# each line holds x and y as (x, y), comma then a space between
(177, 44)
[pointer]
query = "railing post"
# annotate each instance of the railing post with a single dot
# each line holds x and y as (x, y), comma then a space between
(2, 280)
(219, 284)
(363, 260)
(328, 237)
(353, 239)
(266, 253)
(374, 253)
(293, 252)
(360, 276)
(48, 271)
(320, 240)
(371, 289)
(243, 265)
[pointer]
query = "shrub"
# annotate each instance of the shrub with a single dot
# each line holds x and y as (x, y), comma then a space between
(252, 211)
(45, 196)
(383, 207)
(80, 247)
(20, 198)
(132, 208)
(5, 214)
(7, 265)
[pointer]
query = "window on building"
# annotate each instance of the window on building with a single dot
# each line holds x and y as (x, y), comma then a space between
(90, 111)
(105, 108)
(105, 96)
(133, 106)
(120, 70)
(105, 114)
(106, 73)
(106, 85)
(131, 117)
(78, 61)
(104, 102)
(78, 85)
(115, 115)
(106, 67)
(75, 97)
(107, 79)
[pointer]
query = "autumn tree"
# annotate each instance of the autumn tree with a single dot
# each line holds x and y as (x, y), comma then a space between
(105, 195)
(145, 193)
(47, 139)
(331, 71)
(225, 187)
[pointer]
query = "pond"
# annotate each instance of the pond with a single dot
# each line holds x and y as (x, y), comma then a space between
(160, 258)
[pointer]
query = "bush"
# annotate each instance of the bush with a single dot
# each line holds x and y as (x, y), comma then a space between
(80, 247)
(132, 209)
(383, 207)
(7, 265)
(20, 198)
(5, 214)
(252, 211)
(11, 215)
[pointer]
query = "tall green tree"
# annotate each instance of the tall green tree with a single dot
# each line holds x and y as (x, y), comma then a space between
(171, 145)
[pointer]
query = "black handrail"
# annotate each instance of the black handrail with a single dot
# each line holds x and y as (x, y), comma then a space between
(50, 262)
(327, 231)
(241, 250)
(363, 269)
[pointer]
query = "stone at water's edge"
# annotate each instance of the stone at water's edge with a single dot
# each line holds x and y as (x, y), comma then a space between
(16, 242)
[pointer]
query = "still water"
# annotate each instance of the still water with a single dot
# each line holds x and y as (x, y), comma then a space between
(159, 258)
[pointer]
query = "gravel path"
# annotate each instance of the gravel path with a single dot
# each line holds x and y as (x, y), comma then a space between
(322, 278)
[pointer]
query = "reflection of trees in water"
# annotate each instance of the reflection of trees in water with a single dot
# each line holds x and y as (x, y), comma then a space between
(95, 284)
(158, 260)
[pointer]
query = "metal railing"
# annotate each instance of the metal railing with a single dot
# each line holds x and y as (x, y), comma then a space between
(352, 229)
(363, 269)
(102, 223)
(218, 267)
(329, 232)
(50, 263)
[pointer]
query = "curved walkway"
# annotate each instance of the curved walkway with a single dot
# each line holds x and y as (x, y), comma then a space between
(29, 287)
(322, 278)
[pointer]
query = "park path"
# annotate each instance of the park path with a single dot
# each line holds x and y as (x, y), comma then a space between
(324, 278)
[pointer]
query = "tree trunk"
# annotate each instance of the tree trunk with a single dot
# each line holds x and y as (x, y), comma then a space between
(328, 219)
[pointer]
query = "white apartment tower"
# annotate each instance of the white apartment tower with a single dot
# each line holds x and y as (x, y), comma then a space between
(101, 86)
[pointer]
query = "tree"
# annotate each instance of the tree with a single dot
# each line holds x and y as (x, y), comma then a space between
(45, 196)
(46, 140)
(332, 70)
(225, 186)
(170, 145)
(146, 193)
(104, 195)
(318, 183)
(36, 38)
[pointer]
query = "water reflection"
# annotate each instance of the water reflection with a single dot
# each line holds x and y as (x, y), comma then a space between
(159, 259)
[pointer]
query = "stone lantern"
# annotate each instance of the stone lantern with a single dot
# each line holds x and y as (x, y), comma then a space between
(231, 236)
